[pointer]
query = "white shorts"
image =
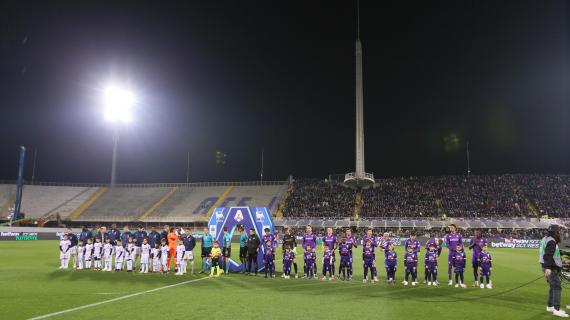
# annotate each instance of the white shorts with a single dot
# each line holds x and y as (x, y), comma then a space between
(144, 258)
(73, 251)
(64, 255)
(137, 252)
(189, 255)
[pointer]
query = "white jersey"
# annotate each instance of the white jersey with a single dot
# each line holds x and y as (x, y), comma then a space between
(164, 250)
(97, 249)
(145, 249)
(119, 253)
(155, 253)
(108, 250)
(180, 250)
(88, 251)
(80, 252)
(64, 245)
(130, 251)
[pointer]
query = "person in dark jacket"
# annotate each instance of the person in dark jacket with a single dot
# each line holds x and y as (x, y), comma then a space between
(85, 234)
(551, 263)
(114, 234)
(125, 237)
(153, 237)
(253, 243)
(102, 234)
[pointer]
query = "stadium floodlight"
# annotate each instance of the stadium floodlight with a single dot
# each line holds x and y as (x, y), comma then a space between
(118, 104)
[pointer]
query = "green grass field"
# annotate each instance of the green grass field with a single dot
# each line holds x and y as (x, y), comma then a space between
(31, 286)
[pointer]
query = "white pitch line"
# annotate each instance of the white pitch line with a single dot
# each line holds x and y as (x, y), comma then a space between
(114, 299)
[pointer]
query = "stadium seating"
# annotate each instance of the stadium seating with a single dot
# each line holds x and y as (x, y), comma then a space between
(38, 201)
(187, 204)
(123, 203)
(7, 194)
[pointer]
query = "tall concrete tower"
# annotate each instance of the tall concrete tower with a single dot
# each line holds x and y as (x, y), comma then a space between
(359, 177)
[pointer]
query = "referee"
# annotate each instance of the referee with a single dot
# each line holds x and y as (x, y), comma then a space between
(253, 243)
(551, 263)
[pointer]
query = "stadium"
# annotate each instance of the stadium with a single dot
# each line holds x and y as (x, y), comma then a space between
(461, 211)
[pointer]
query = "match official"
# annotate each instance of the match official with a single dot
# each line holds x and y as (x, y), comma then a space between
(253, 243)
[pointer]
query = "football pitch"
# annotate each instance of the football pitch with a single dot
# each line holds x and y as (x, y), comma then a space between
(32, 286)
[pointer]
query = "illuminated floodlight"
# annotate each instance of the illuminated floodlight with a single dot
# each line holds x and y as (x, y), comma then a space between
(118, 104)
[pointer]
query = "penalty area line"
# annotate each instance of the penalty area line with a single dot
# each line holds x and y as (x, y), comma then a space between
(114, 299)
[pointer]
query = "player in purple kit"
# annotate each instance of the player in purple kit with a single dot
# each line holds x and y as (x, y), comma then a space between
(475, 244)
(310, 240)
(351, 243)
(310, 260)
(268, 237)
(437, 249)
(459, 260)
(430, 263)
(369, 237)
(411, 266)
(413, 242)
(330, 240)
(390, 262)
(327, 263)
(288, 258)
(269, 259)
(368, 258)
(452, 240)
(345, 260)
(485, 266)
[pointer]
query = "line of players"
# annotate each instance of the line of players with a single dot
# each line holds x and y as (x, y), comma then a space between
(155, 251)
(457, 259)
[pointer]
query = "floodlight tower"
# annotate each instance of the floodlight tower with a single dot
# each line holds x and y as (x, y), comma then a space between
(359, 177)
(118, 105)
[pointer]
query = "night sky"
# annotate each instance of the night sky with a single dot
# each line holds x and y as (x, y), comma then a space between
(242, 76)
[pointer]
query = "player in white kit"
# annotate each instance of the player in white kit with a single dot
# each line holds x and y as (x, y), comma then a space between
(180, 259)
(107, 255)
(130, 254)
(119, 256)
(64, 247)
(80, 255)
(97, 253)
(156, 258)
(88, 253)
(145, 256)
(164, 255)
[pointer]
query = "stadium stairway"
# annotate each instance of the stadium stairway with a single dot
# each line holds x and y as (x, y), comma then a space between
(219, 201)
(357, 202)
(77, 212)
(158, 203)
(279, 213)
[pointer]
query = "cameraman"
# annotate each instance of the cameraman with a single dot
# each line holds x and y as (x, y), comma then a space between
(551, 265)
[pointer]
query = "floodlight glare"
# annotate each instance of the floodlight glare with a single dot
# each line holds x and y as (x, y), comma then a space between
(118, 104)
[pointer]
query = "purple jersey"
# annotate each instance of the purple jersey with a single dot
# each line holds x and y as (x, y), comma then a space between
(414, 244)
(452, 240)
(268, 250)
(327, 257)
(411, 259)
(330, 241)
(384, 243)
(431, 258)
(368, 253)
(436, 244)
(309, 256)
(478, 245)
(372, 241)
(344, 249)
(459, 258)
(266, 238)
(485, 260)
(391, 258)
(287, 256)
(309, 239)
(351, 243)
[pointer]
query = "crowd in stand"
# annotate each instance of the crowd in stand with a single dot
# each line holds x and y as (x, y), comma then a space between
(485, 196)
(317, 198)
